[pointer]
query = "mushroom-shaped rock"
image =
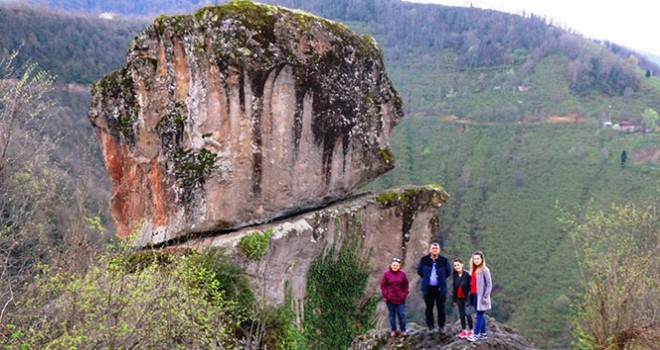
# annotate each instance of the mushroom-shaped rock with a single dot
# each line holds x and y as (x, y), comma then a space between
(240, 114)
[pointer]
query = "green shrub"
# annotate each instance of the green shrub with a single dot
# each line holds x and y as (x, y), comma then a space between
(255, 245)
(185, 305)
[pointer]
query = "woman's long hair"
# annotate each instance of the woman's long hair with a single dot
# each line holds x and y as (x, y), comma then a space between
(473, 269)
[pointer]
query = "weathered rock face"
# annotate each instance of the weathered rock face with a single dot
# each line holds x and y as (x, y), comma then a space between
(238, 115)
(398, 223)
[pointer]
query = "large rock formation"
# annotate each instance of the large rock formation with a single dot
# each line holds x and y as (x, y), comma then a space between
(238, 115)
(397, 223)
(251, 121)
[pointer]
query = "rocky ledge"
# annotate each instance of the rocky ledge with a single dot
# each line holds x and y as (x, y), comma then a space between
(500, 337)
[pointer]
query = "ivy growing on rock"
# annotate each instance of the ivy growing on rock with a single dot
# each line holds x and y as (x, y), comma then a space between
(336, 311)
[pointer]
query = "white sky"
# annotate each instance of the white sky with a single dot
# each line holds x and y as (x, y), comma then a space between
(630, 23)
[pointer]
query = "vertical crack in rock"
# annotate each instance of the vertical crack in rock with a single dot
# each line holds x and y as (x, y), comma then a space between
(258, 83)
(298, 115)
(241, 92)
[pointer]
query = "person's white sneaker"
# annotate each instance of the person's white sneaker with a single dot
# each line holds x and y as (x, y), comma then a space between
(473, 337)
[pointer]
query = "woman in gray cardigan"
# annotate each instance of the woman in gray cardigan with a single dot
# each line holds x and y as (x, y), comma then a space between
(481, 287)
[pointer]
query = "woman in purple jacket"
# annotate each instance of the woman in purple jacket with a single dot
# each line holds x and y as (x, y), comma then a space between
(394, 286)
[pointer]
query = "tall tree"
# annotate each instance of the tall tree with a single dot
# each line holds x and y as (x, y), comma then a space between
(27, 185)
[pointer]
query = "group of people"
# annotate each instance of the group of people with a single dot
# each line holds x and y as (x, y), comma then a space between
(470, 291)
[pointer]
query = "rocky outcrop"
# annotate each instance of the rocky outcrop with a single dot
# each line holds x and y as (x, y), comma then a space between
(500, 337)
(397, 223)
(238, 115)
(249, 127)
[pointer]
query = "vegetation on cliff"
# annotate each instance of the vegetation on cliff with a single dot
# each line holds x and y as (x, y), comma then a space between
(336, 311)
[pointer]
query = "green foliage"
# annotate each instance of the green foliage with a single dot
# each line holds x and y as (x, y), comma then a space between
(255, 244)
(396, 197)
(131, 262)
(616, 250)
(275, 328)
(292, 337)
(386, 156)
(335, 311)
(30, 189)
(187, 304)
(650, 117)
(387, 198)
(228, 277)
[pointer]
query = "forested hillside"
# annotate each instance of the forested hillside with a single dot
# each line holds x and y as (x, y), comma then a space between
(76, 48)
(505, 112)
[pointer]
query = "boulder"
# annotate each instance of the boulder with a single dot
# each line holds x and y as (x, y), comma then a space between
(238, 115)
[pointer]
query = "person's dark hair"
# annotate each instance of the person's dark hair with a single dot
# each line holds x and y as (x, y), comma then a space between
(453, 270)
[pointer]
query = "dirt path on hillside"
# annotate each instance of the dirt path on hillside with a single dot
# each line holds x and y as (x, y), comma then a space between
(647, 154)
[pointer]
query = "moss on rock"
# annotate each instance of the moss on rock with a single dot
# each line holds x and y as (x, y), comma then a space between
(116, 89)
(191, 168)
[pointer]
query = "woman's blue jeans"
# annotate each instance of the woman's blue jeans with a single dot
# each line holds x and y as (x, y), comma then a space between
(480, 324)
(397, 310)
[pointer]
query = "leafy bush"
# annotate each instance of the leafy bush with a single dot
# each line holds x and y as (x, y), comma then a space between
(274, 328)
(255, 245)
(618, 305)
(184, 304)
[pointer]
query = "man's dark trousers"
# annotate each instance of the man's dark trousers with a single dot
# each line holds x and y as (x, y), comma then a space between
(433, 296)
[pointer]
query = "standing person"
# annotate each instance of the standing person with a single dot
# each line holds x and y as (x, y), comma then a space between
(394, 286)
(461, 296)
(481, 286)
(434, 269)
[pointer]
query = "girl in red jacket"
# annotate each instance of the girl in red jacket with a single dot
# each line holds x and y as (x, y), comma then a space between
(394, 286)
(461, 296)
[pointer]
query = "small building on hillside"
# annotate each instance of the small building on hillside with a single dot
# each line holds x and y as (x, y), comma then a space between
(625, 126)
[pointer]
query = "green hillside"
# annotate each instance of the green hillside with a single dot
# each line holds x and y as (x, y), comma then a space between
(76, 48)
(504, 112)
(505, 182)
